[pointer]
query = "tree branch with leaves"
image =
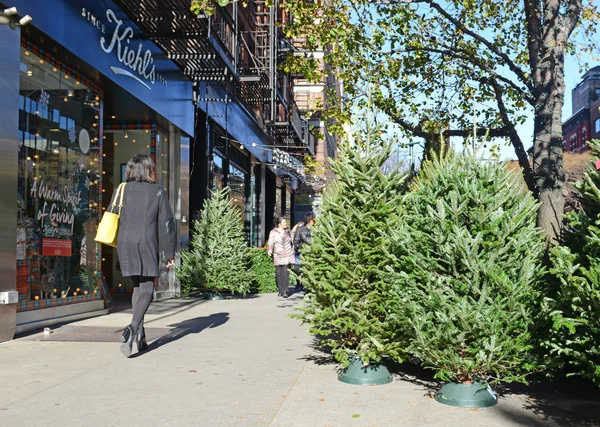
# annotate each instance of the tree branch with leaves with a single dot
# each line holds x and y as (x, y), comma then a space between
(432, 62)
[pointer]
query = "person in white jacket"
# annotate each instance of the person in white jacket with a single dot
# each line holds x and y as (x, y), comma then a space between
(281, 249)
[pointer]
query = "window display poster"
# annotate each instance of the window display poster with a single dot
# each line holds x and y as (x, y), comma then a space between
(21, 243)
(56, 247)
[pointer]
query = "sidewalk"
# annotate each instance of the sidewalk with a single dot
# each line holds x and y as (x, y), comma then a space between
(229, 363)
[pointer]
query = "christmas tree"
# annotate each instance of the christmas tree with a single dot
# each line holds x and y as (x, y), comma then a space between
(218, 258)
(573, 343)
(348, 301)
(469, 269)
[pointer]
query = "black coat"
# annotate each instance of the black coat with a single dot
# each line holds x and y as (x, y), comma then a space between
(146, 226)
(302, 237)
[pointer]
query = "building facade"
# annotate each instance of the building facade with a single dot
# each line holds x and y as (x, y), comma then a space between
(584, 123)
(311, 97)
(83, 95)
(87, 85)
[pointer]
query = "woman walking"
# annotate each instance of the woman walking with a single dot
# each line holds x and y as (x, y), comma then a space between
(282, 251)
(146, 229)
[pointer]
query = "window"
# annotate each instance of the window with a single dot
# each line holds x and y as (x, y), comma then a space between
(597, 126)
(59, 185)
(162, 159)
(572, 142)
(278, 201)
(218, 173)
(237, 184)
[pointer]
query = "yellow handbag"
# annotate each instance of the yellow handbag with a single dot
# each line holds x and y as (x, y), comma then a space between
(108, 229)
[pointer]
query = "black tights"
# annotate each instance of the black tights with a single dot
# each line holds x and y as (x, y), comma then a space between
(141, 299)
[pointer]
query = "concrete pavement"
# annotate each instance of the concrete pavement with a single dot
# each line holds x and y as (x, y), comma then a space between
(238, 362)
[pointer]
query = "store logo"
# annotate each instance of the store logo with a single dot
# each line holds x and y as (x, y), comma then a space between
(134, 59)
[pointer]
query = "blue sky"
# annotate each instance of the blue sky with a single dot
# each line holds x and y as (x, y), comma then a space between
(573, 76)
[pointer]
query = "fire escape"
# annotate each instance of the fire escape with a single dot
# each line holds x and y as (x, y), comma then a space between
(238, 48)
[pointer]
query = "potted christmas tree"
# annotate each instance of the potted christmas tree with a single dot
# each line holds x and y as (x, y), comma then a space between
(348, 299)
(468, 275)
(218, 258)
(573, 306)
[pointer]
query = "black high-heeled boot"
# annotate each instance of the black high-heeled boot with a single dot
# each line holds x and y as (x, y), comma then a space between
(140, 340)
(127, 340)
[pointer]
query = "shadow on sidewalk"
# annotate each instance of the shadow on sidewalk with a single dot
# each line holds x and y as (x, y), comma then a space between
(295, 295)
(571, 402)
(563, 403)
(185, 328)
(319, 355)
(415, 374)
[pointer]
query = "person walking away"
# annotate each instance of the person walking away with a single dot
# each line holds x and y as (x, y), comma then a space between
(146, 228)
(296, 227)
(296, 265)
(302, 237)
(280, 248)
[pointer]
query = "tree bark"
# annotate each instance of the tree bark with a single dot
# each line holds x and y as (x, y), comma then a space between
(548, 142)
(433, 145)
(548, 158)
(548, 35)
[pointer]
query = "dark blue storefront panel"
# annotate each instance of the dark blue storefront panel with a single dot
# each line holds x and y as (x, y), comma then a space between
(9, 147)
(237, 121)
(103, 36)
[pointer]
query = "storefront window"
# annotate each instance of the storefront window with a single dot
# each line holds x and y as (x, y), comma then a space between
(288, 204)
(278, 202)
(237, 184)
(162, 159)
(59, 186)
(218, 174)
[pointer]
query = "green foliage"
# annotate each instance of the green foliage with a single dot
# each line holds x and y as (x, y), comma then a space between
(218, 257)
(573, 343)
(262, 271)
(452, 66)
(310, 164)
(209, 7)
(468, 270)
(348, 301)
(188, 272)
(89, 280)
(583, 226)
